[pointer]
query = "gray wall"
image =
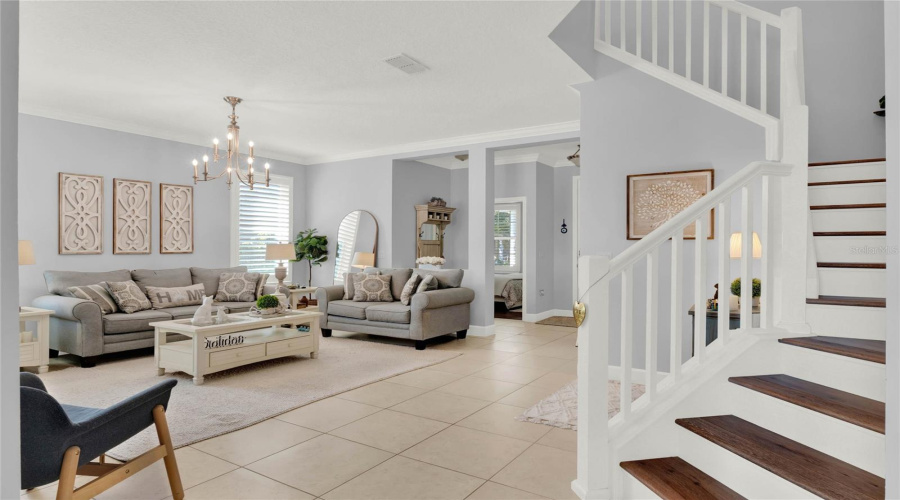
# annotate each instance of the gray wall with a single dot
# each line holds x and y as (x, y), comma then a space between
(562, 243)
(47, 147)
(415, 183)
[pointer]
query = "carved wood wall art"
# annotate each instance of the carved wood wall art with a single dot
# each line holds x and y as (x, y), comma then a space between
(131, 216)
(653, 199)
(80, 214)
(176, 218)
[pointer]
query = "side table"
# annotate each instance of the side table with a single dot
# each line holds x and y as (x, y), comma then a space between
(37, 352)
(712, 323)
(296, 293)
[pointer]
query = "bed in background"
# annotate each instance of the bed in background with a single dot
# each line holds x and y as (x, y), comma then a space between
(508, 289)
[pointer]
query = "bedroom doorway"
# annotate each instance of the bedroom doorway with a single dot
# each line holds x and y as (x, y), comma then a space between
(509, 258)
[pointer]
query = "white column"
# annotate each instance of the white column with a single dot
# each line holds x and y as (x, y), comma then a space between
(480, 275)
(9, 263)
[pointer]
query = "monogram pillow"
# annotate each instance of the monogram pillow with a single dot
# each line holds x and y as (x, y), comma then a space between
(409, 289)
(128, 296)
(429, 282)
(97, 294)
(162, 298)
(237, 287)
(372, 288)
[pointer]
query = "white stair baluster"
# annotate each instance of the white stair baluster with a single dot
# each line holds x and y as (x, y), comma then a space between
(627, 340)
(676, 311)
(638, 22)
(652, 322)
(687, 40)
(672, 35)
(607, 21)
(746, 258)
(763, 67)
(706, 44)
(744, 58)
(701, 226)
(623, 44)
(765, 266)
(654, 35)
(724, 51)
(724, 231)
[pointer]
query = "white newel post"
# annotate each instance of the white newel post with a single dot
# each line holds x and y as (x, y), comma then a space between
(593, 475)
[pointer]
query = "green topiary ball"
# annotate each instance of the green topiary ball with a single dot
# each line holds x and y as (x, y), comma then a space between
(736, 287)
(267, 302)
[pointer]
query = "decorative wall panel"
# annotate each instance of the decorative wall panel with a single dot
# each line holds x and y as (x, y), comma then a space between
(653, 199)
(80, 214)
(131, 216)
(176, 218)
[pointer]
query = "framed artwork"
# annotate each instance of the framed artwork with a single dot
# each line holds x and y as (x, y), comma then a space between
(176, 218)
(653, 199)
(80, 214)
(131, 216)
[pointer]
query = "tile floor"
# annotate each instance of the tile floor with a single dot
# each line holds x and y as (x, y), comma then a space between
(442, 432)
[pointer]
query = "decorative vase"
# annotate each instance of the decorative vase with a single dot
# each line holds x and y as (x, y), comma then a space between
(431, 266)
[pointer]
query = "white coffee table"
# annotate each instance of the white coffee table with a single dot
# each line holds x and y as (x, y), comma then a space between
(256, 339)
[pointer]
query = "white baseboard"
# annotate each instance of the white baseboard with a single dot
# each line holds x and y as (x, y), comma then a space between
(481, 331)
(534, 318)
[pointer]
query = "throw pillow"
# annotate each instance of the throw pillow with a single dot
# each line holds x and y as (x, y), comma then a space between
(162, 298)
(97, 294)
(409, 289)
(429, 282)
(372, 288)
(128, 296)
(261, 285)
(237, 287)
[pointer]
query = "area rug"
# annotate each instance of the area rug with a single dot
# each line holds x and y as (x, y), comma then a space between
(237, 398)
(560, 409)
(558, 321)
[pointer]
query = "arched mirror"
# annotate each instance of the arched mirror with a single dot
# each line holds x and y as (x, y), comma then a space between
(357, 244)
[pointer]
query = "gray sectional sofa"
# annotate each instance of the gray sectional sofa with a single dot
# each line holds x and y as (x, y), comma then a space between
(78, 327)
(430, 314)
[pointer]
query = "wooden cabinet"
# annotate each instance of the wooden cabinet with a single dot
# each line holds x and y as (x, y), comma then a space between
(431, 221)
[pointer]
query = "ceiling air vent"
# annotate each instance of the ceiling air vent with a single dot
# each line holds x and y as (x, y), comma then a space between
(406, 64)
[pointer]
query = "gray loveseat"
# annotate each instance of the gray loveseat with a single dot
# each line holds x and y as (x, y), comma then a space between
(78, 327)
(429, 314)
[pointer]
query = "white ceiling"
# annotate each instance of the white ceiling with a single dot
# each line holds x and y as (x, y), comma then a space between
(312, 74)
(554, 155)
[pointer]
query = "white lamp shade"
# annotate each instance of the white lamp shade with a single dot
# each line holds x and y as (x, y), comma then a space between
(26, 253)
(736, 246)
(363, 260)
(280, 251)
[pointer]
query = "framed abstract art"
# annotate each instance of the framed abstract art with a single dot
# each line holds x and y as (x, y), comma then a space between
(653, 199)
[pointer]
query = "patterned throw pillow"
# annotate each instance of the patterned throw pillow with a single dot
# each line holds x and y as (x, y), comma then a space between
(372, 288)
(429, 282)
(237, 287)
(97, 294)
(162, 298)
(409, 289)
(128, 296)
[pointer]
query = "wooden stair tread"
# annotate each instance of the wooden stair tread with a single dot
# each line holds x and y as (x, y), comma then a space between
(841, 300)
(851, 181)
(854, 265)
(845, 162)
(848, 206)
(850, 233)
(841, 405)
(674, 479)
(865, 349)
(806, 467)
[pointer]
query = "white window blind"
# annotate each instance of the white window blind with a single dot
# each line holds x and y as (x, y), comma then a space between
(264, 217)
(346, 243)
(507, 238)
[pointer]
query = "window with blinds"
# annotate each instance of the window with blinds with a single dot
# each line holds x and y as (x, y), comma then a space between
(507, 238)
(345, 244)
(264, 217)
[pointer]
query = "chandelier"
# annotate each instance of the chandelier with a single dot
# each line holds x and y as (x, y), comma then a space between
(233, 156)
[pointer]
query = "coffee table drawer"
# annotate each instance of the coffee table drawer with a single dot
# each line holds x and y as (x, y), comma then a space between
(236, 355)
(281, 346)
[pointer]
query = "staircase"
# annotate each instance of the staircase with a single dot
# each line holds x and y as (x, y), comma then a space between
(791, 405)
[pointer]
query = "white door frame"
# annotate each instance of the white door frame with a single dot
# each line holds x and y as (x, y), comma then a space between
(523, 225)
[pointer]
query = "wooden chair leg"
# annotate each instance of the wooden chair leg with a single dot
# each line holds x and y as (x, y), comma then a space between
(162, 431)
(66, 487)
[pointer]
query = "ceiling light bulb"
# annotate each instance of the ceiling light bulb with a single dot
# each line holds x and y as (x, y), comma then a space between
(216, 141)
(205, 158)
(267, 166)
(250, 144)
(250, 161)
(229, 170)
(194, 162)
(230, 136)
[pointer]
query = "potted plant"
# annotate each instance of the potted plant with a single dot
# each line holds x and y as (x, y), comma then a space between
(311, 247)
(757, 290)
(430, 262)
(267, 305)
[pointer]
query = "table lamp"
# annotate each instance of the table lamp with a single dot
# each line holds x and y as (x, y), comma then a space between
(26, 253)
(362, 260)
(736, 246)
(280, 252)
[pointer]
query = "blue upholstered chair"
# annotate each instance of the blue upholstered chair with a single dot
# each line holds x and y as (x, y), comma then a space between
(59, 441)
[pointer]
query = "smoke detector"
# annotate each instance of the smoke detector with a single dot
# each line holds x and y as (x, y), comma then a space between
(406, 64)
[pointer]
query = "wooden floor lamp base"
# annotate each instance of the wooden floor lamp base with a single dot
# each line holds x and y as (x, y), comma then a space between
(109, 475)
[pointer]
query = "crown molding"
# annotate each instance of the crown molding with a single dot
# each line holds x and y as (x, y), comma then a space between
(131, 128)
(453, 142)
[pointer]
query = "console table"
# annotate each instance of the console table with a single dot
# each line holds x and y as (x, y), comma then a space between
(712, 323)
(242, 341)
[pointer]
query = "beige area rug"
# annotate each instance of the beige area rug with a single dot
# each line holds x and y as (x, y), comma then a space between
(560, 409)
(237, 398)
(558, 321)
